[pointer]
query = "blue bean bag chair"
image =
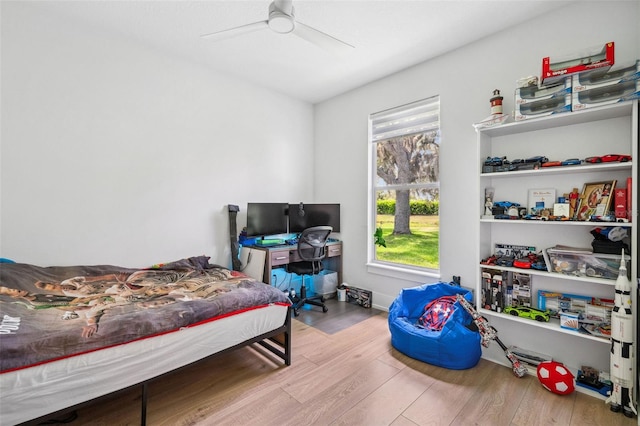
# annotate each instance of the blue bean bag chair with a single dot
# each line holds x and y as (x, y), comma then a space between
(454, 346)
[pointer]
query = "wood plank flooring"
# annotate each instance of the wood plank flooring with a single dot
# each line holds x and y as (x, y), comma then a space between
(346, 373)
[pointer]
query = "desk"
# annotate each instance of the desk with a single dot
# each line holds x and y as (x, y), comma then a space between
(280, 256)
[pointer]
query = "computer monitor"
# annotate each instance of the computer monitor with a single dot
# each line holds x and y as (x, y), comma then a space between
(302, 216)
(266, 219)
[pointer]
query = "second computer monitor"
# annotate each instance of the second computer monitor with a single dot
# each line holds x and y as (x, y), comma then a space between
(302, 216)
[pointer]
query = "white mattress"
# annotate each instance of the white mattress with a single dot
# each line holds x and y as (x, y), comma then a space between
(33, 392)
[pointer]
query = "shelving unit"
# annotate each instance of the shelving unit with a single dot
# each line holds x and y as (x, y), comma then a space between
(592, 132)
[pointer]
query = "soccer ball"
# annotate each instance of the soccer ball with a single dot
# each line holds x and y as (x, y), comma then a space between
(556, 378)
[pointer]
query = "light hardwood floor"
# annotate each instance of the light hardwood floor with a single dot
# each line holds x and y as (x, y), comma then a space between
(349, 377)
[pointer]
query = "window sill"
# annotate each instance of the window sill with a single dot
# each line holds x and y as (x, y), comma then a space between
(404, 273)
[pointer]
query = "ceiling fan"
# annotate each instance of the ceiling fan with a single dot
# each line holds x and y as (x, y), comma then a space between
(282, 20)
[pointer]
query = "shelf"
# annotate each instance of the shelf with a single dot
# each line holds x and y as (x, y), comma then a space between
(585, 168)
(566, 135)
(553, 325)
(557, 222)
(559, 120)
(593, 280)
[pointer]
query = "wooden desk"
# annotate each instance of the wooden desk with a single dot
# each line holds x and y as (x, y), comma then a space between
(280, 256)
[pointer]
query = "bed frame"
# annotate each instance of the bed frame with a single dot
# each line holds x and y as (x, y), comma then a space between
(277, 341)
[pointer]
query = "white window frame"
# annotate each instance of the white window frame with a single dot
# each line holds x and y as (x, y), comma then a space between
(412, 124)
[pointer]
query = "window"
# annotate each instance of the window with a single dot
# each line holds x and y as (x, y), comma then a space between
(405, 186)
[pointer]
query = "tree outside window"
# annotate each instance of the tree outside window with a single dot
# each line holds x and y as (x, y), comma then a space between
(405, 151)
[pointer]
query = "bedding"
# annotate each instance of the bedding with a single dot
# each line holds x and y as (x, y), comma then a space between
(56, 312)
(63, 319)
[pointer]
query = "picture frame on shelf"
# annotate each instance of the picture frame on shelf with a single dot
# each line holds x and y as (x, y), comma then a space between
(540, 199)
(595, 199)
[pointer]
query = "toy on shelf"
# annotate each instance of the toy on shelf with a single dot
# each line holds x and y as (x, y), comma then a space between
(526, 312)
(590, 378)
(557, 68)
(489, 333)
(622, 353)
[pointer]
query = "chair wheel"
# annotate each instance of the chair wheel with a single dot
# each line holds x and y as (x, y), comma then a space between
(296, 312)
(325, 309)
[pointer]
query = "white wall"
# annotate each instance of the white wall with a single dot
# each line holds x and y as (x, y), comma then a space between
(465, 80)
(116, 153)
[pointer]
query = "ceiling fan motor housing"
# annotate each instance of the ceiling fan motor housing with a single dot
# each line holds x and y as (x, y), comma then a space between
(280, 21)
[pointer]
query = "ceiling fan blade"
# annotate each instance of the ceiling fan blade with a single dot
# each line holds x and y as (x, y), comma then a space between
(321, 39)
(233, 32)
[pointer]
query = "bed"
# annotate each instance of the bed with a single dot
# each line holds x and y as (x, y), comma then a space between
(75, 333)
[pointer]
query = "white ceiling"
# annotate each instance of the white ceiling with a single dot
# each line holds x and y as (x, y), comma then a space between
(387, 36)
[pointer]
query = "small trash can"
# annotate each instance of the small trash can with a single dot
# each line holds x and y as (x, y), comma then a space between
(342, 294)
(325, 283)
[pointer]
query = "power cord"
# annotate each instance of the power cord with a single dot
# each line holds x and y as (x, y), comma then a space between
(242, 268)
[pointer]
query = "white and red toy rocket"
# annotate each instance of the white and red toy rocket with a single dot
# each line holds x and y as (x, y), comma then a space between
(622, 351)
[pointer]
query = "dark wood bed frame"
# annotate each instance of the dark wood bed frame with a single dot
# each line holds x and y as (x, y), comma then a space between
(276, 341)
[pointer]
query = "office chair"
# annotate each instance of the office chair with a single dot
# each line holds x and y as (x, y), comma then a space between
(312, 245)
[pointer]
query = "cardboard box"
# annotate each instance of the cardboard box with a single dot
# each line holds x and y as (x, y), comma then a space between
(556, 68)
(605, 95)
(544, 107)
(598, 313)
(529, 94)
(569, 320)
(620, 203)
(557, 303)
(599, 78)
(521, 289)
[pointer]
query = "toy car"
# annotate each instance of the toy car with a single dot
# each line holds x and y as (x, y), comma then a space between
(505, 261)
(523, 262)
(540, 265)
(531, 160)
(593, 160)
(531, 217)
(603, 218)
(505, 204)
(502, 216)
(571, 162)
(491, 260)
(615, 157)
(552, 164)
(609, 158)
(495, 161)
(537, 159)
(526, 312)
